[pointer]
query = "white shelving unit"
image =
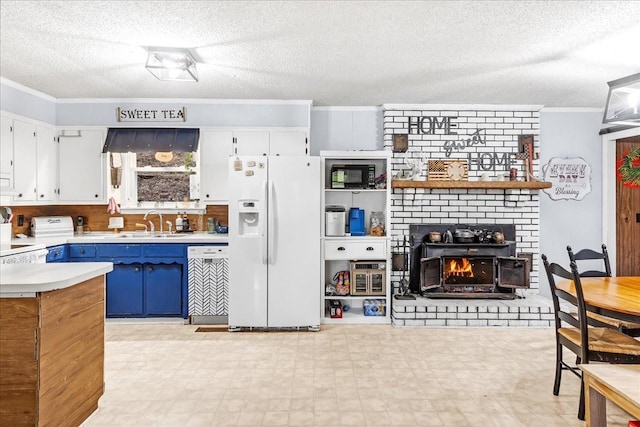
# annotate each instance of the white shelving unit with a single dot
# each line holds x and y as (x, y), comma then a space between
(338, 253)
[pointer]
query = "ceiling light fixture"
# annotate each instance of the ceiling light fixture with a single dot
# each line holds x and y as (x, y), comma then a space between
(173, 64)
(623, 101)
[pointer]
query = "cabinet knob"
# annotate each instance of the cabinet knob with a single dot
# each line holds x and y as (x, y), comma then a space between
(207, 196)
(42, 195)
(136, 269)
(369, 248)
(81, 251)
(95, 195)
(341, 248)
(150, 268)
(20, 195)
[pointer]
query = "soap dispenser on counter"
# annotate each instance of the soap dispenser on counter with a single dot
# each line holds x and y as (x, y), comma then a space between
(178, 223)
(185, 222)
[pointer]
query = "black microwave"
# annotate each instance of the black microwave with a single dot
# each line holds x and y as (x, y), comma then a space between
(353, 176)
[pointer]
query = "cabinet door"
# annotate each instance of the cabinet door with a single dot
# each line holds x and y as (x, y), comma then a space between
(288, 143)
(163, 289)
(24, 160)
(85, 184)
(6, 152)
(47, 164)
(215, 149)
(252, 142)
(125, 291)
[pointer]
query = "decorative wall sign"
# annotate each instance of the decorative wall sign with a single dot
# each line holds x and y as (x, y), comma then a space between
(448, 170)
(570, 178)
(400, 143)
(151, 114)
(454, 141)
(628, 169)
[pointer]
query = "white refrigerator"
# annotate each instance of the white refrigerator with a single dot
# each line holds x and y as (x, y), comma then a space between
(274, 242)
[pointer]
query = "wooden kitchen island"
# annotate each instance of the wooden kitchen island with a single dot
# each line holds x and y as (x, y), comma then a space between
(51, 342)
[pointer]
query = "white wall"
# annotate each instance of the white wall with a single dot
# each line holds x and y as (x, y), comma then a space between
(570, 133)
(21, 100)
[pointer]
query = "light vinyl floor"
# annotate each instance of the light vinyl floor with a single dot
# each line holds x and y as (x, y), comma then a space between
(344, 375)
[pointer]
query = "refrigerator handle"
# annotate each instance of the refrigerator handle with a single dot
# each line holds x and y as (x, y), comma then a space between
(263, 232)
(272, 220)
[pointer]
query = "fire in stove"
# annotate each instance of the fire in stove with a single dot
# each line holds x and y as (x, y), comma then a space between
(462, 268)
(468, 271)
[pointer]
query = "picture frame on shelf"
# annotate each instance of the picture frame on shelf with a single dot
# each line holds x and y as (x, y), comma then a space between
(400, 143)
(526, 154)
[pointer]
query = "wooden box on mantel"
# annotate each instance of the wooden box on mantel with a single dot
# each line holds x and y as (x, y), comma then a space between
(448, 170)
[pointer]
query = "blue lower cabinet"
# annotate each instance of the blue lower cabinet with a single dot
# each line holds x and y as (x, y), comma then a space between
(125, 291)
(82, 252)
(148, 280)
(57, 253)
(163, 289)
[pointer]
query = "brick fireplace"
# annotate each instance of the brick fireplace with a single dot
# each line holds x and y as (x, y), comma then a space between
(479, 267)
(486, 139)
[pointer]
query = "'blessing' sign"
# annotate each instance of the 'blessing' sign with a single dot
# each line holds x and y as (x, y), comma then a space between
(570, 178)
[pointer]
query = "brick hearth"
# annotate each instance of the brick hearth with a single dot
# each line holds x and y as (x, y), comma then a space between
(531, 311)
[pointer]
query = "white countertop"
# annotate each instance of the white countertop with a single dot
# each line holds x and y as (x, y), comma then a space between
(5, 248)
(32, 243)
(24, 280)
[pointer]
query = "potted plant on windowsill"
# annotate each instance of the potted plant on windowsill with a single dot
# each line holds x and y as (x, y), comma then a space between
(189, 163)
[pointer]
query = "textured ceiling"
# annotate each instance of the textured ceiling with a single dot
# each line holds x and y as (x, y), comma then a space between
(351, 53)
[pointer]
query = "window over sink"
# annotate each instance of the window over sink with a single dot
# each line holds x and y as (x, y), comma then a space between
(161, 179)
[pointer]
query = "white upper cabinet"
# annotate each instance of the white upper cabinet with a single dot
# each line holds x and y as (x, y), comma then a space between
(288, 143)
(6, 152)
(46, 164)
(252, 143)
(271, 143)
(24, 160)
(82, 166)
(34, 161)
(215, 148)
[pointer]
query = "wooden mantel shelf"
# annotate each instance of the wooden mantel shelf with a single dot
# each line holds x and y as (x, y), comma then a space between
(487, 185)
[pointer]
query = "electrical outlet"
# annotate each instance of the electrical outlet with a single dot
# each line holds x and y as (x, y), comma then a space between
(20, 220)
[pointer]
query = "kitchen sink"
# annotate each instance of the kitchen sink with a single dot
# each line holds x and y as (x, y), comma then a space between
(146, 235)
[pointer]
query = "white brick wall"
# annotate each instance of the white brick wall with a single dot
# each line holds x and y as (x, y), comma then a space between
(500, 127)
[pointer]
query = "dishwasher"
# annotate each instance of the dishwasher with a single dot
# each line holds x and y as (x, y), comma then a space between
(208, 284)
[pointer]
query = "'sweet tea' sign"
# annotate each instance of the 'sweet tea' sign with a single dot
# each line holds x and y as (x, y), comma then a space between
(151, 114)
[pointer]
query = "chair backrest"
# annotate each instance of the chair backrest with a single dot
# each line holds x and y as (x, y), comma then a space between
(589, 254)
(572, 303)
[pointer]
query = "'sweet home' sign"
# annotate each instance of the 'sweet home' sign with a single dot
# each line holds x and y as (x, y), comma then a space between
(457, 143)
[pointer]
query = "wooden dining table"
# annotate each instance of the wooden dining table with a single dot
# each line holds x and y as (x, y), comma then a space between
(617, 297)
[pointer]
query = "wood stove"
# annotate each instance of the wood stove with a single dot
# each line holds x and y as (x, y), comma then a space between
(478, 269)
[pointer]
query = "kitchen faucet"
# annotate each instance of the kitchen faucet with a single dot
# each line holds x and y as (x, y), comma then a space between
(151, 223)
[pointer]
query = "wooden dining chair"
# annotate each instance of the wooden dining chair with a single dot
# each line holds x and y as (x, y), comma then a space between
(588, 343)
(591, 255)
(629, 328)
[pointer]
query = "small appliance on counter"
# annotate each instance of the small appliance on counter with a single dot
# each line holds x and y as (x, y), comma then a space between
(335, 219)
(51, 226)
(356, 222)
